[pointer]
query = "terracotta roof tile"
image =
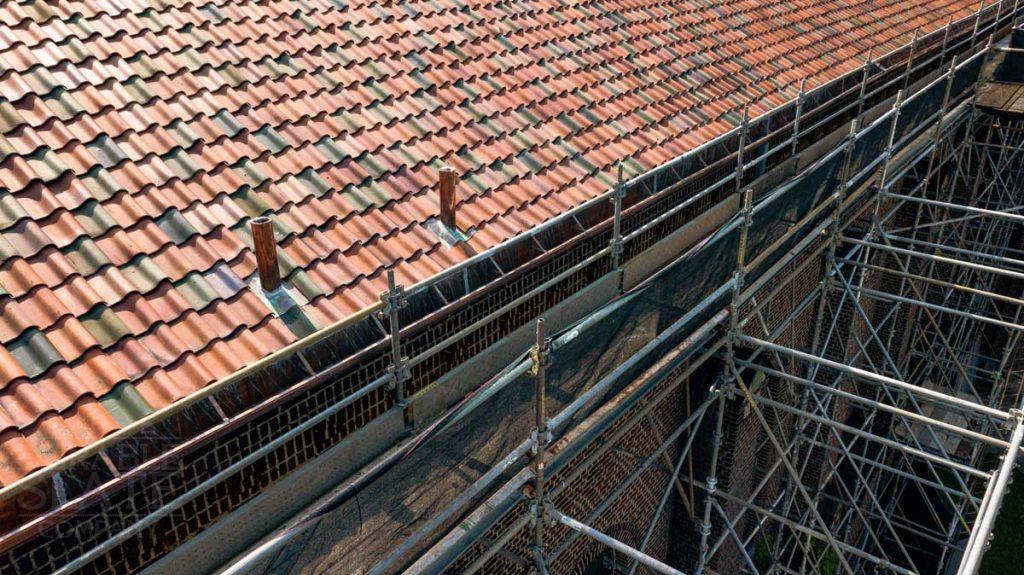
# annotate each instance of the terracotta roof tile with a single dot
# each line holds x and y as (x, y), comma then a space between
(135, 148)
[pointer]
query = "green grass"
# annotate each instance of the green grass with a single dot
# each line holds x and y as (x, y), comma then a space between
(1004, 557)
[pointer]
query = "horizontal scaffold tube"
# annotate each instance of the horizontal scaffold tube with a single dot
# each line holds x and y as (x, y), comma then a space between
(614, 544)
(870, 376)
(924, 419)
(872, 437)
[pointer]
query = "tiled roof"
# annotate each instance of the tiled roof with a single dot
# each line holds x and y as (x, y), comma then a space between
(139, 138)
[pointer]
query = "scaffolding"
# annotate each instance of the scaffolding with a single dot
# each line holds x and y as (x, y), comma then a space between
(852, 385)
(909, 389)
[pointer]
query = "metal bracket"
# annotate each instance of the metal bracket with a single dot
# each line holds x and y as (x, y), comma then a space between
(541, 442)
(394, 299)
(1016, 416)
(618, 194)
(398, 372)
(540, 357)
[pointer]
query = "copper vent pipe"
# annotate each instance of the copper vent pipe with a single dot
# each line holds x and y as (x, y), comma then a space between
(266, 253)
(446, 196)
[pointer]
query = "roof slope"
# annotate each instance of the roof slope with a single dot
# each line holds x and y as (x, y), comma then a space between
(138, 138)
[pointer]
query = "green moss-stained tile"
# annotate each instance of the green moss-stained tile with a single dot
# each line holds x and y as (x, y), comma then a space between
(62, 104)
(39, 11)
(351, 121)
(326, 79)
(104, 325)
(76, 50)
(241, 229)
(231, 74)
(355, 198)
(182, 134)
(106, 151)
(585, 164)
(250, 201)
(176, 226)
(196, 290)
(353, 33)
(34, 353)
(143, 65)
(633, 166)
(125, 404)
(290, 63)
(181, 163)
(85, 256)
(521, 140)
(507, 171)
(46, 164)
(420, 63)
(417, 127)
(7, 251)
(40, 79)
(286, 264)
(10, 210)
(101, 183)
(606, 179)
(436, 164)
(9, 117)
(457, 51)
(380, 113)
(250, 172)
(592, 117)
(375, 194)
(269, 137)
(507, 44)
(471, 159)
(377, 89)
(192, 60)
(405, 155)
(305, 284)
(94, 218)
(273, 69)
(343, 57)
(331, 149)
(467, 89)
(531, 162)
(368, 163)
(475, 183)
(314, 182)
(227, 123)
(570, 123)
(139, 90)
(6, 148)
(213, 12)
(143, 272)
(78, 26)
